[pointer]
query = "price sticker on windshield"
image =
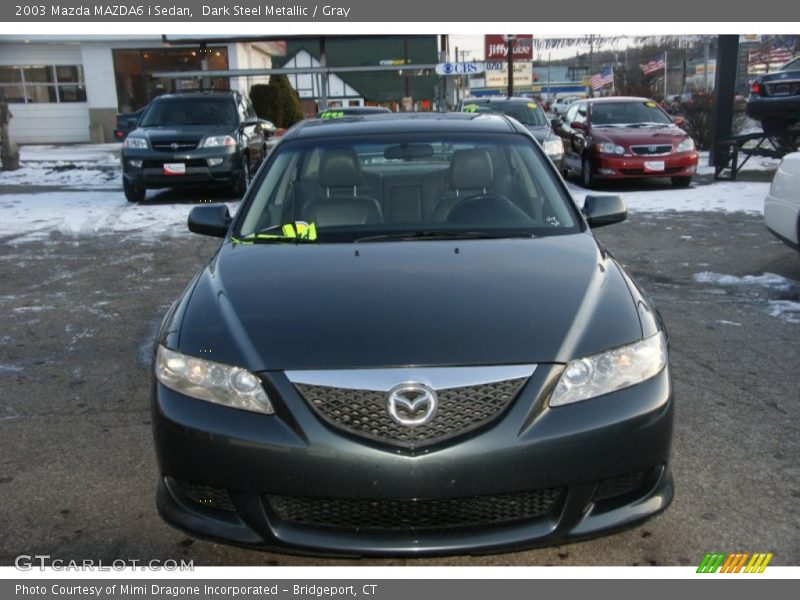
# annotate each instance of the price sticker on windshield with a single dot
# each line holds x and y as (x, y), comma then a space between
(650, 103)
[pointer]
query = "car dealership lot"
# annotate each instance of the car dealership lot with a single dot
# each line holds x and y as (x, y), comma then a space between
(86, 279)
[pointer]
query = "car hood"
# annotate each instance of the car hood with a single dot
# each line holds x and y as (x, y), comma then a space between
(432, 303)
(640, 135)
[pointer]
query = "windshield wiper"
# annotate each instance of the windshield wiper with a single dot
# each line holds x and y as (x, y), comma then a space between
(444, 234)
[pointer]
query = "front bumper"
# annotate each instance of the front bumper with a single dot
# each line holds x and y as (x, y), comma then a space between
(579, 449)
(606, 166)
(199, 170)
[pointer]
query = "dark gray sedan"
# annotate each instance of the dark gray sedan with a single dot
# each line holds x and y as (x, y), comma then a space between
(409, 342)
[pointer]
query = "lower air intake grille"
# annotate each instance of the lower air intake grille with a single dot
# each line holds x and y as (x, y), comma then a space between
(207, 495)
(448, 513)
(364, 412)
(619, 486)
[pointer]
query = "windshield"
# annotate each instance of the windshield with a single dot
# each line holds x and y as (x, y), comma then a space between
(628, 113)
(527, 113)
(397, 186)
(177, 112)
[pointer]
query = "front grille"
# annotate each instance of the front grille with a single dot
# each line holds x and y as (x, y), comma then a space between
(446, 513)
(174, 146)
(207, 495)
(365, 413)
(652, 150)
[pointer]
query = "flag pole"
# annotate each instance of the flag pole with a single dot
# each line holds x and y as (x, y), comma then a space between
(613, 89)
(665, 76)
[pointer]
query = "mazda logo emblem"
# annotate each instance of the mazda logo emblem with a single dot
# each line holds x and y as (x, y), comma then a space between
(174, 146)
(412, 404)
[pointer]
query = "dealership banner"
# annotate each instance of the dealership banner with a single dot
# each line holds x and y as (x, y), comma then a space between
(340, 11)
(383, 589)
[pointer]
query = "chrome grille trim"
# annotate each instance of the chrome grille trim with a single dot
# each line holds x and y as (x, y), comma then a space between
(382, 380)
(644, 149)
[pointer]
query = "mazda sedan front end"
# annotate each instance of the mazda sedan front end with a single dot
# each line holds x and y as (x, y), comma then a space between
(409, 342)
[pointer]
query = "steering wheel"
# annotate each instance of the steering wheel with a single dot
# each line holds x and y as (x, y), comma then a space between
(491, 209)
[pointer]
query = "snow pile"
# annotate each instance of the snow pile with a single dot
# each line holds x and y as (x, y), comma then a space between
(767, 280)
(33, 217)
(785, 309)
(76, 154)
(728, 196)
(63, 176)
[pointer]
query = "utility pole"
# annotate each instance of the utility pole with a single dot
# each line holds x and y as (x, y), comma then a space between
(591, 61)
(510, 39)
(707, 49)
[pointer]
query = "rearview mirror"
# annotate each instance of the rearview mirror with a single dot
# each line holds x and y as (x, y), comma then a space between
(604, 210)
(210, 219)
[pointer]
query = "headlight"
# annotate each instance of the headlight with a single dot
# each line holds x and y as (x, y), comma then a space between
(217, 141)
(553, 146)
(135, 143)
(686, 145)
(616, 369)
(609, 148)
(211, 381)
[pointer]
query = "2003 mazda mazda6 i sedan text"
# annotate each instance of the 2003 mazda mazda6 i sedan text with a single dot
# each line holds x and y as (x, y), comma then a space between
(410, 342)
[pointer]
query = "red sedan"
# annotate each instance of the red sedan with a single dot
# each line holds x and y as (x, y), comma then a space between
(624, 138)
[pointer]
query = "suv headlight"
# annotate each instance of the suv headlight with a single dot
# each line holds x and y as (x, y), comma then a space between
(214, 382)
(135, 143)
(686, 145)
(610, 148)
(217, 141)
(553, 145)
(616, 369)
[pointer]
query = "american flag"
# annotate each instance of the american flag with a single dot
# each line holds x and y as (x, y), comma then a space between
(775, 56)
(655, 64)
(603, 78)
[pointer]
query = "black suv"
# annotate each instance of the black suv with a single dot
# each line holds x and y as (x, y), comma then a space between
(194, 138)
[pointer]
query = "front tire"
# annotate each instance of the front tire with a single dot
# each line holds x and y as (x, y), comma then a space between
(681, 181)
(133, 192)
(243, 180)
(587, 179)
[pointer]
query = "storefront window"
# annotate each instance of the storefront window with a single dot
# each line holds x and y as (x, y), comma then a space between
(133, 71)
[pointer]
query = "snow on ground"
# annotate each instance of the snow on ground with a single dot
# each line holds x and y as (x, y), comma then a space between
(32, 217)
(754, 163)
(767, 280)
(96, 154)
(93, 166)
(720, 196)
(786, 310)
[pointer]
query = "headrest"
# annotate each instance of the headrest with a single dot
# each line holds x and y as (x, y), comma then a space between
(339, 167)
(471, 169)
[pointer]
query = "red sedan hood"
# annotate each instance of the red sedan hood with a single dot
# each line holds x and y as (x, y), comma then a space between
(626, 136)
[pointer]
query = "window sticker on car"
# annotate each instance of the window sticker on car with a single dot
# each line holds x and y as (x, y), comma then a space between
(650, 103)
(531, 104)
(332, 114)
(471, 108)
(299, 231)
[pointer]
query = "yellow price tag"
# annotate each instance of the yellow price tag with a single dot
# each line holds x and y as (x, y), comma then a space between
(651, 104)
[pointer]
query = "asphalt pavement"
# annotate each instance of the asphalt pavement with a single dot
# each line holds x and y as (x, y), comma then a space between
(77, 467)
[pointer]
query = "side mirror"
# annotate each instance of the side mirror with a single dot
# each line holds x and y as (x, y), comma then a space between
(679, 121)
(210, 219)
(250, 122)
(556, 124)
(604, 210)
(578, 125)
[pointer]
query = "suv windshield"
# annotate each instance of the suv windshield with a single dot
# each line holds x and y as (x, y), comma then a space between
(176, 112)
(419, 186)
(628, 113)
(527, 113)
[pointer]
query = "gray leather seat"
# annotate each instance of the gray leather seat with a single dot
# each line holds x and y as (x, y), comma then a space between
(471, 174)
(340, 175)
